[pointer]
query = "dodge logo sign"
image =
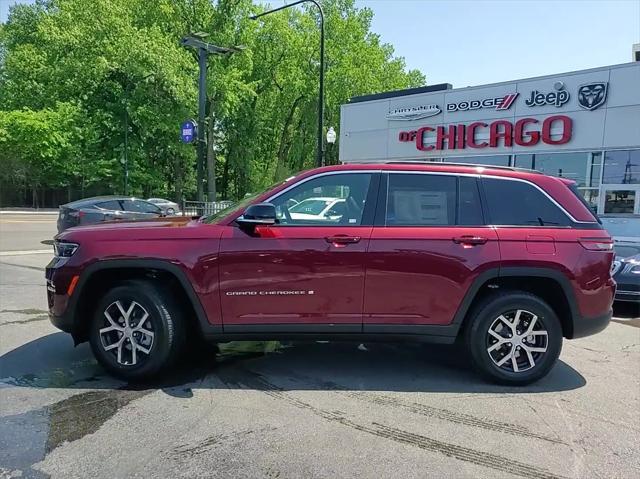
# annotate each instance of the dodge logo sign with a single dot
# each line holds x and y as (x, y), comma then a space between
(592, 95)
(499, 103)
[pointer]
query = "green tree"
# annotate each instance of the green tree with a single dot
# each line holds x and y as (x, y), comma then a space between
(78, 73)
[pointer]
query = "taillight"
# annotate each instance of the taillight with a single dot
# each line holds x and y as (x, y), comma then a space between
(76, 214)
(596, 244)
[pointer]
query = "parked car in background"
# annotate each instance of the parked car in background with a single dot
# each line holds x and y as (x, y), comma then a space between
(105, 208)
(168, 207)
(626, 273)
(319, 209)
(506, 261)
(625, 231)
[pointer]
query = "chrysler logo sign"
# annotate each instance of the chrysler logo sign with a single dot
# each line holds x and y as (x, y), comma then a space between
(413, 112)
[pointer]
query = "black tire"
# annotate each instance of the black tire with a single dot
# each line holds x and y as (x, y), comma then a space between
(171, 211)
(478, 339)
(164, 320)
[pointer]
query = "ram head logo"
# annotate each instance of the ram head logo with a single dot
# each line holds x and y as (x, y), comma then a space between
(592, 95)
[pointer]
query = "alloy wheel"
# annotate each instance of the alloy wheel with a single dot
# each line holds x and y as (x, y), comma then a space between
(517, 340)
(128, 333)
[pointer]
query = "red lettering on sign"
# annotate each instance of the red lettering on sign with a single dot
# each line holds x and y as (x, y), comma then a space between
(420, 139)
(566, 130)
(534, 136)
(471, 135)
(450, 137)
(462, 136)
(501, 129)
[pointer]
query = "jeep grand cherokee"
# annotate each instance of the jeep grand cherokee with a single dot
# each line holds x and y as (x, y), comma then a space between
(507, 261)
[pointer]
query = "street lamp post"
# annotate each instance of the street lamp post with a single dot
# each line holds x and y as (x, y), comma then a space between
(331, 137)
(204, 49)
(320, 148)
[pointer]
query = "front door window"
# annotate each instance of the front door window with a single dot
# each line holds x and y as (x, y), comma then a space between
(329, 200)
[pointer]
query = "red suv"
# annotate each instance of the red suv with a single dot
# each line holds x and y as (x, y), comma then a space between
(507, 261)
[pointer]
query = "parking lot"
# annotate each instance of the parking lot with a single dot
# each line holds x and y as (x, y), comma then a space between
(268, 409)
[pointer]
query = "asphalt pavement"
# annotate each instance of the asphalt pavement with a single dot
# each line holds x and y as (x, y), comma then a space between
(292, 410)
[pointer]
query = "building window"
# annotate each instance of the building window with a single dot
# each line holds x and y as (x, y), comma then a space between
(591, 196)
(495, 160)
(619, 201)
(622, 167)
(574, 166)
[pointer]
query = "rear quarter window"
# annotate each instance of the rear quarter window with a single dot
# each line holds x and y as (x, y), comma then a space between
(518, 203)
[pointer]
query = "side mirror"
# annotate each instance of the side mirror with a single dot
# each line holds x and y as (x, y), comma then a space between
(259, 214)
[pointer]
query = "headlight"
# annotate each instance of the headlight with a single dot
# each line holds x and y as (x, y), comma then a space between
(631, 268)
(64, 250)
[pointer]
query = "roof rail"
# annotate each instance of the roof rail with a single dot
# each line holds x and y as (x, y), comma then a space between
(449, 163)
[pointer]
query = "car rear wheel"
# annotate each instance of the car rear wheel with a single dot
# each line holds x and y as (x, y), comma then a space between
(137, 330)
(171, 211)
(515, 338)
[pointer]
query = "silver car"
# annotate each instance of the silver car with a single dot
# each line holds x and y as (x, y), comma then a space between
(105, 208)
(168, 207)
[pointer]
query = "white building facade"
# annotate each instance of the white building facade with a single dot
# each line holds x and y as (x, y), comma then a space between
(582, 125)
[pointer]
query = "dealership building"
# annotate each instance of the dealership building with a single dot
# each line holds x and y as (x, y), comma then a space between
(582, 125)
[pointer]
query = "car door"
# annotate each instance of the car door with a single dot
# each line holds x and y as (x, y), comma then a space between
(305, 273)
(138, 209)
(429, 244)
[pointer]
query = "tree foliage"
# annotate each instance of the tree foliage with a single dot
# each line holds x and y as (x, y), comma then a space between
(73, 73)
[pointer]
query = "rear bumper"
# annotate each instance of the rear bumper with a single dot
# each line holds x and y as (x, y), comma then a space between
(587, 326)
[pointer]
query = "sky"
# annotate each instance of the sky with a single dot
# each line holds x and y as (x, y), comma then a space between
(467, 42)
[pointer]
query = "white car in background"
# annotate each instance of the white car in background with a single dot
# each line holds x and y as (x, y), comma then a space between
(318, 209)
(169, 208)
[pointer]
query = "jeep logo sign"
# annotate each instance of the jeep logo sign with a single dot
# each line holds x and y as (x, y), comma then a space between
(556, 98)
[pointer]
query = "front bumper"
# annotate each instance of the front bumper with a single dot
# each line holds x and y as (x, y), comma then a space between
(628, 289)
(59, 276)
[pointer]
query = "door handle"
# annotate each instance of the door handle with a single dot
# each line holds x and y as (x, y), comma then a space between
(470, 240)
(342, 239)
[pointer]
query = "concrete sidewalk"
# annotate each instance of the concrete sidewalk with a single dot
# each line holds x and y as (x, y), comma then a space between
(28, 211)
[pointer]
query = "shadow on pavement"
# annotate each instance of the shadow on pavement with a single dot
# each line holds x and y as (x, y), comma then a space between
(52, 362)
(273, 367)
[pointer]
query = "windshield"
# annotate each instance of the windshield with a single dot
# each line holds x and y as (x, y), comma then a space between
(310, 207)
(240, 205)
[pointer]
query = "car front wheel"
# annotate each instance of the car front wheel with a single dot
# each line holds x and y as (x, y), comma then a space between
(515, 338)
(137, 330)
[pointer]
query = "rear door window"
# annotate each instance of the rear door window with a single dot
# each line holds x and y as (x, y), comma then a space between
(421, 200)
(139, 206)
(517, 203)
(109, 205)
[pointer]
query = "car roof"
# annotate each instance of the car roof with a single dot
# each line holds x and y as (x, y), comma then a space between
(97, 199)
(415, 165)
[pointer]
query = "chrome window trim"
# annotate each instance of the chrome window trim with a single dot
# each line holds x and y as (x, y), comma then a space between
(319, 175)
(443, 173)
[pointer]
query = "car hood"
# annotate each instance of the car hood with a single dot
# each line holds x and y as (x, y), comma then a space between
(127, 228)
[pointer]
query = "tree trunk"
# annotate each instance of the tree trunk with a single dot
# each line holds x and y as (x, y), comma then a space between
(285, 143)
(211, 156)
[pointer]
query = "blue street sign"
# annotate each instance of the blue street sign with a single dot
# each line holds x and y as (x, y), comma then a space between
(188, 131)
